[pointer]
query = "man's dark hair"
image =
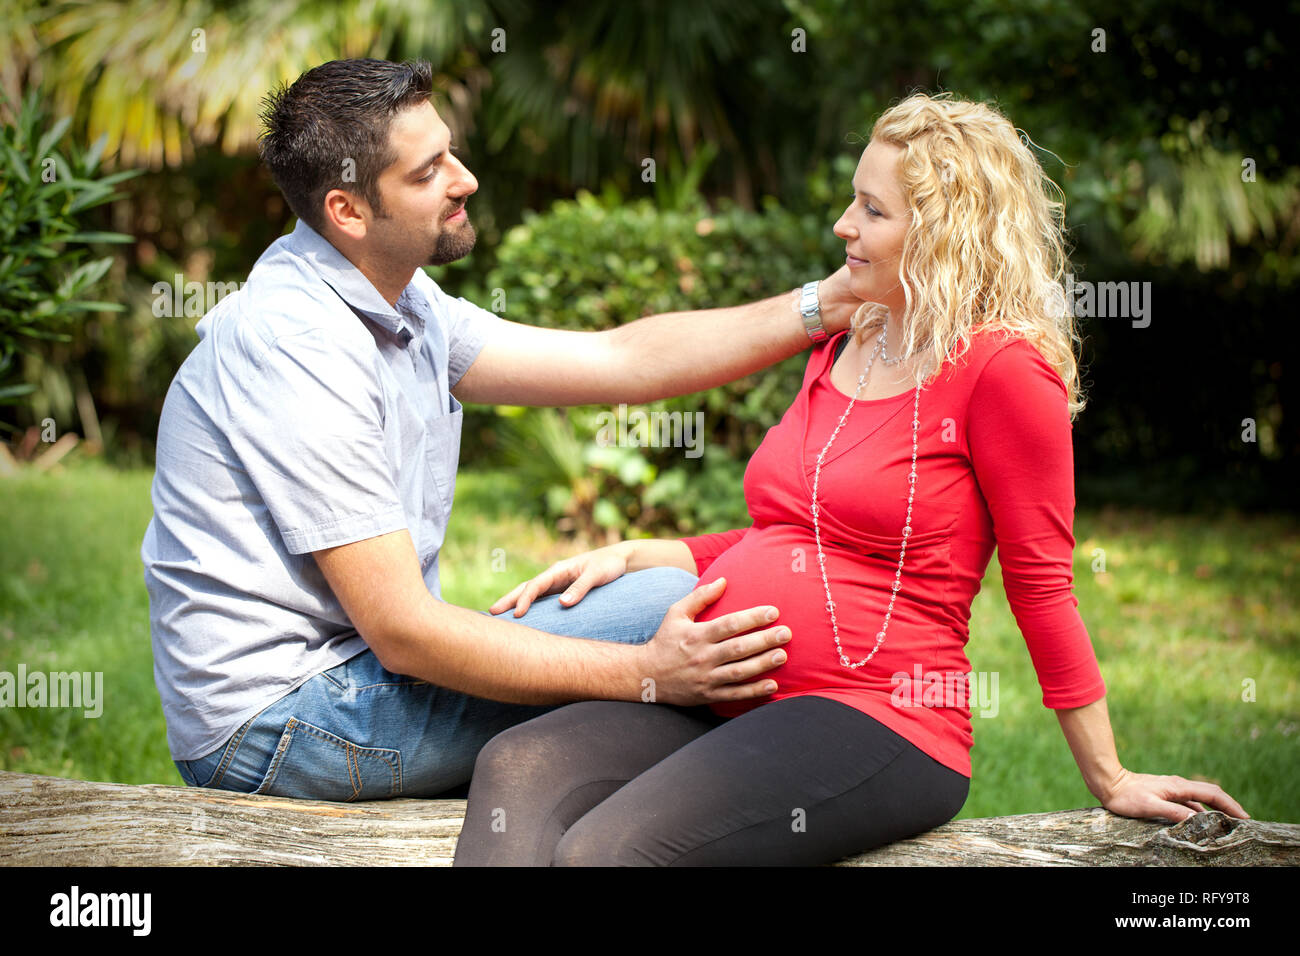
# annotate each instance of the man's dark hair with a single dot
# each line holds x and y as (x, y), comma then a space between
(329, 130)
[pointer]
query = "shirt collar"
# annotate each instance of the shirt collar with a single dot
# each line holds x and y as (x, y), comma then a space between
(406, 322)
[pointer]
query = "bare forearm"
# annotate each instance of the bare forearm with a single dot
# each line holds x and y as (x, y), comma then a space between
(1087, 730)
(501, 660)
(657, 553)
(676, 353)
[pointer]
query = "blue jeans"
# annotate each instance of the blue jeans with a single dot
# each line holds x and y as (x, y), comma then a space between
(360, 732)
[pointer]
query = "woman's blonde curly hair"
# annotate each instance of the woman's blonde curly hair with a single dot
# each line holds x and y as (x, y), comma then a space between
(986, 247)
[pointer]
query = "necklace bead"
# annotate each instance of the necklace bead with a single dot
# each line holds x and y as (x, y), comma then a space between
(907, 524)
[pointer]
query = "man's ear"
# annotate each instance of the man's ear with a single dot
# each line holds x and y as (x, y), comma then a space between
(348, 213)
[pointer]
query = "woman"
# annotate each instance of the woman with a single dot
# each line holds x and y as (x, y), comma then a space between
(933, 431)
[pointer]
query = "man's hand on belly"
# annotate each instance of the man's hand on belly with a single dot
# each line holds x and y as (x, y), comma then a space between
(705, 662)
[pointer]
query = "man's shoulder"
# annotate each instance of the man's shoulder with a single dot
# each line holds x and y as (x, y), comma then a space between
(284, 300)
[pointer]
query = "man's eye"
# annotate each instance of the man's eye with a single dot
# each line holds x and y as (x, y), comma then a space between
(425, 179)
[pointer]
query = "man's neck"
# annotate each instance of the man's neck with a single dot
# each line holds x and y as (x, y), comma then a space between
(389, 281)
(388, 278)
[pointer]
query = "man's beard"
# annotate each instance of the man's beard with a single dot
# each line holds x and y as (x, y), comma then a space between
(453, 244)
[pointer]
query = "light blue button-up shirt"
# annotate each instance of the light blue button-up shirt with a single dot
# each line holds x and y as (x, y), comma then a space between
(311, 414)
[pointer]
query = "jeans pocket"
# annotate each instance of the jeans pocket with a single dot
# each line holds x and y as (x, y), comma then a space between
(314, 764)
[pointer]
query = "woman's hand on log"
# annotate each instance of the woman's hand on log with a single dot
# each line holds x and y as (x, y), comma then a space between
(1171, 798)
(575, 576)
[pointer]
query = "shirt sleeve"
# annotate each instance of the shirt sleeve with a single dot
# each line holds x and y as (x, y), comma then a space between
(469, 328)
(309, 433)
(705, 548)
(1019, 436)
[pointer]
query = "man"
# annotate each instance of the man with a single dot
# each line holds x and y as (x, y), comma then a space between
(306, 466)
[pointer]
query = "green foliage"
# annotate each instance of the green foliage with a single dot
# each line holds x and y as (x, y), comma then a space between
(47, 274)
(591, 264)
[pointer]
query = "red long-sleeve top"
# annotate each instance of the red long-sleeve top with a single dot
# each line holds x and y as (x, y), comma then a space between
(994, 468)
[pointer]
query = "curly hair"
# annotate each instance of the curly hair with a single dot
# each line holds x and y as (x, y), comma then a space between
(986, 245)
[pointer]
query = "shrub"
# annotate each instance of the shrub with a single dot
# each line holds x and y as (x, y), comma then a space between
(594, 263)
(47, 272)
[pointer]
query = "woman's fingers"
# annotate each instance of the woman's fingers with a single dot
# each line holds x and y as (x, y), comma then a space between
(1170, 798)
(1199, 792)
(535, 587)
(579, 588)
(521, 596)
(507, 600)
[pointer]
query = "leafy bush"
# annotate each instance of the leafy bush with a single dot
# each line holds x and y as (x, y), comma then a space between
(596, 263)
(47, 273)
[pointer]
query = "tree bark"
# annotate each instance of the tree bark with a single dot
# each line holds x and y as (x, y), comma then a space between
(49, 821)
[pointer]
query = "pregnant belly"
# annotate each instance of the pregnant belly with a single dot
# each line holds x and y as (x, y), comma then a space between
(778, 566)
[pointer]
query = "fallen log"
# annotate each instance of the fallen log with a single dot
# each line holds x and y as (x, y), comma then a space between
(50, 821)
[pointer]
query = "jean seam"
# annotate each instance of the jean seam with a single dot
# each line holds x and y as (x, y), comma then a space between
(229, 755)
(341, 686)
(388, 755)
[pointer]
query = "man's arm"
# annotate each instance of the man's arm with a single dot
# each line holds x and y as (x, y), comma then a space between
(674, 353)
(378, 583)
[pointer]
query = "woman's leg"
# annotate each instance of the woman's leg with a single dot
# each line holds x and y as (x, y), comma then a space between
(800, 781)
(533, 781)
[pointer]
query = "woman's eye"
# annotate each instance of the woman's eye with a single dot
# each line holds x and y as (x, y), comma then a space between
(872, 210)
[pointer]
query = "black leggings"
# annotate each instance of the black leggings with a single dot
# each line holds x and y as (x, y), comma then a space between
(799, 781)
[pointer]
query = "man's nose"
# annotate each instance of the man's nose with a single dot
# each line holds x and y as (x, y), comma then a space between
(465, 184)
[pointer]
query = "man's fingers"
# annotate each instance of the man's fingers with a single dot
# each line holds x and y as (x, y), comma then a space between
(744, 658)
(739, 622)
(701, 597)
(749, 643)
(748, 691)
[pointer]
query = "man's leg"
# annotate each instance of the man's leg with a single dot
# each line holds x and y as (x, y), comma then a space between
(359, 732)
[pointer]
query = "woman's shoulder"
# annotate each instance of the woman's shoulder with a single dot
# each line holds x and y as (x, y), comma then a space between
(996, 351)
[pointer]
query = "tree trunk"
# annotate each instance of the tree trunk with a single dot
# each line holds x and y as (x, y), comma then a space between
(49, 821)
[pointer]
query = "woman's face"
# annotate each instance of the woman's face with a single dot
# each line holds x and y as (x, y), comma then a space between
(874, 226)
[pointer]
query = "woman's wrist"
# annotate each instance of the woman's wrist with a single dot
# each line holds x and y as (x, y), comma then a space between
(642, 553)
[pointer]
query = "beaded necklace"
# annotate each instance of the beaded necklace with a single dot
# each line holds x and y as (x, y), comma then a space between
(907, 523)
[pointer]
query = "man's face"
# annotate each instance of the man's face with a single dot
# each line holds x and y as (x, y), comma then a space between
(423, 193)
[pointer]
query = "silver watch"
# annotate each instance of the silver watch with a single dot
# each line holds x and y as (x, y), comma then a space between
(811, 311)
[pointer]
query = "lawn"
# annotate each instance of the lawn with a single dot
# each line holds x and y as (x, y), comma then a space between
(1195, 622)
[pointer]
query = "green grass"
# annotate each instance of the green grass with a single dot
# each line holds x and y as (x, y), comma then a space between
(1189, 614)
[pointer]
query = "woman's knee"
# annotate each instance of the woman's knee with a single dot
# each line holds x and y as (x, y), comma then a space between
(592, 842)
(665, 583)
(507, 753)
